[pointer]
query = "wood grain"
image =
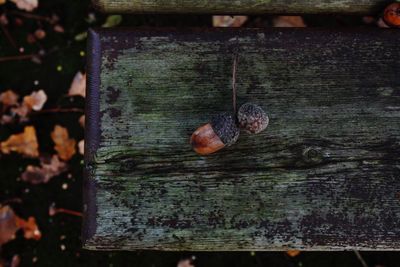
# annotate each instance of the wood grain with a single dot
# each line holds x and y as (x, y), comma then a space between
(242, 6)
(323, 176)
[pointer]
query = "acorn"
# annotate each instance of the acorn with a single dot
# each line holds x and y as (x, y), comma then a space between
(252, 118)
(391, 15)
(220, 132)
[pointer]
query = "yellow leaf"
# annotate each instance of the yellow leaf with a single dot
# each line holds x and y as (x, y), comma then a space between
(24, 143)
(64, 146)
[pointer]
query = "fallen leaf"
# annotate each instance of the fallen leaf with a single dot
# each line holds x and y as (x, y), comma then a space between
(40, 34)
(3, 17)
(81, 146)
(48, 169)
(185, 263)
(15, 261)
(10, 223)
(78, 85)
(22, 111)
(82, 121)
(28, 5)
(289, 21)
(6, 119)
(24, 143)
(80, 36)
(35, 100)
(64, 146)
(58, 28)
(382, 24)
(9, 98)
(112, 21)
(293, 253)
(31, 230)
(229, 21)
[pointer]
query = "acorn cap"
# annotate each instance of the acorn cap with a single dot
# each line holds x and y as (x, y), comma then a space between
(224, 125)
(252, 118)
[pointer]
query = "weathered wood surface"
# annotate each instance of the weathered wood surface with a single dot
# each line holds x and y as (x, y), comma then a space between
(324, 176)
(242, 6)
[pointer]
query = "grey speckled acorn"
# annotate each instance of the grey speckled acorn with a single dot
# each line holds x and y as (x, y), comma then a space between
(252, 118)
(220, 132)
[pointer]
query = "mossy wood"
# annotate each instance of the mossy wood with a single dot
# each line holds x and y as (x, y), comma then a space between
(323, 176)
(242, 6)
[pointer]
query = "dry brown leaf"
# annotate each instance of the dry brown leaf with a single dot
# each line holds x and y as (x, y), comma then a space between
(78, 85)
(82, 121)
(185, 263)
(10, 223)
(9, 98)
(64, 145)
(15, 261)
(35, 101)
(288, 21)
(21, 111)
(28, 5)
(6, 119)
(58, 28)
(382, 24)
(31, 230)
(229, 21)
(47, 170)
(24, 143)
(293, 253)
(81, 147)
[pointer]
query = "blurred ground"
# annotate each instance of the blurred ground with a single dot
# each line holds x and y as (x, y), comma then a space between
(55, 54)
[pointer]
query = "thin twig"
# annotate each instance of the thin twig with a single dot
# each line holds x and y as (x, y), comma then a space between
(30, 16)
(17, 57)
(235, 64)
(67, 211)
(11, 200)
(360, 258)
(9, 38)
(58, 110)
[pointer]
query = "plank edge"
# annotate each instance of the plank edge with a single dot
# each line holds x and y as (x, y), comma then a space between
(106, 6)
(92, 135)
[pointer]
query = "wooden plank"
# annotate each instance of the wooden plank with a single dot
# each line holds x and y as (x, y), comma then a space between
(324, 176)
(242, 6)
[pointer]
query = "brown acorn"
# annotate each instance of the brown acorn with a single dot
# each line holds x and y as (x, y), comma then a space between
(252, 118)
(215, 135)
(391, 15)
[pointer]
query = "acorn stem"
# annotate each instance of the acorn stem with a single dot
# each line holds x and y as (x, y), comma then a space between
(234, 70)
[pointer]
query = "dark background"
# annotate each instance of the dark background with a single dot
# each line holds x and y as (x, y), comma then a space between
(61, 56)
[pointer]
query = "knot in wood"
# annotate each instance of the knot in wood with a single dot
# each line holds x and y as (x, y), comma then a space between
(312, 155)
